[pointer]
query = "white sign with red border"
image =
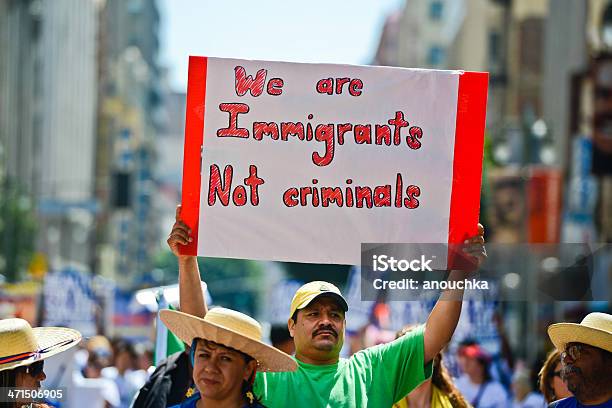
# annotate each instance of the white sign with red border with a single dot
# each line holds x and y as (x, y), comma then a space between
(304, 162)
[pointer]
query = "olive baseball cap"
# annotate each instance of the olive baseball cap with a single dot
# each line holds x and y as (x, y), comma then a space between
(312, 290)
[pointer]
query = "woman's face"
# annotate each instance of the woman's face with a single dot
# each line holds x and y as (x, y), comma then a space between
(558, 385)
(219, 372)
(123, 361)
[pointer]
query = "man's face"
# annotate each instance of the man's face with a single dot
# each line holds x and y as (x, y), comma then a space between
(318, 332)
(585, 369)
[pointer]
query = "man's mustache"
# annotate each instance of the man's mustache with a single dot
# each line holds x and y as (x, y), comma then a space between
(570, 369)
(325, 329)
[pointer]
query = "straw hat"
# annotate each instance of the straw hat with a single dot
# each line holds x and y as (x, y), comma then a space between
(22, 345)
(231, 329)
(594, 330)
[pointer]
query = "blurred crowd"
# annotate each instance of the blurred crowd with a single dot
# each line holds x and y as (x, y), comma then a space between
(479, 379)
(113, 370)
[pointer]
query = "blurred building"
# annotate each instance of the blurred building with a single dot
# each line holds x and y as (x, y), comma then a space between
(20, 121)
(20, 87)
(565, 40)
(464, 34)
(79, 113)
(48, 117)
(590, 118)
(420, 34)
(169, 164)
(548, 154)
(129, 121)
(525, 58)
(66, 203)
(486, 24)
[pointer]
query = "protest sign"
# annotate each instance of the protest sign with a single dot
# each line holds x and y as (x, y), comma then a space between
(69, 301)
(304, 162)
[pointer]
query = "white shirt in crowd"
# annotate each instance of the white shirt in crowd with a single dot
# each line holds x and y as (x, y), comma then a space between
(128, 384)
(94, 392)
(493, 394)
(532, 400)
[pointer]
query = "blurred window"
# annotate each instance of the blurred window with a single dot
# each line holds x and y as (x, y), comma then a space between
(134, 6)
(494, 44)
(435, 56)
(531, 33)
(435, 10)
(606, 27)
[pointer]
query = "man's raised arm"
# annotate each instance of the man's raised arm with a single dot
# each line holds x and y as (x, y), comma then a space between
(444, 317)
(191, 298)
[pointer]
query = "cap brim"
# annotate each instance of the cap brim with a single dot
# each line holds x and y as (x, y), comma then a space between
(50, 340)
(187, 327)
(562, 333)
(314, 296)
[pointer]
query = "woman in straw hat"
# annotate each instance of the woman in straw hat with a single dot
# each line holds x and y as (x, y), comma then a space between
(226, 352)
(23, 350)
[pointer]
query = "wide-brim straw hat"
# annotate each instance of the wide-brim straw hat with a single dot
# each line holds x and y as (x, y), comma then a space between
(594, 330)
(231, 329)
(22, 345)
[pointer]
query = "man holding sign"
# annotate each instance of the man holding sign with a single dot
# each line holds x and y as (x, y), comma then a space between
(376, 377)
(274, 170)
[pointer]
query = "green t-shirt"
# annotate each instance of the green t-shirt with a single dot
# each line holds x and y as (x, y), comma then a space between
(375, 377)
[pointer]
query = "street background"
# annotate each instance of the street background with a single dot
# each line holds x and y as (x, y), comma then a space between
(92, 109)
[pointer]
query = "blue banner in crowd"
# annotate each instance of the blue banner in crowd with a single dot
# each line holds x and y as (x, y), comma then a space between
(69, 301)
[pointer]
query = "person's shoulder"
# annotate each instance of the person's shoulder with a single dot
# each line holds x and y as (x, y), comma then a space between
(275, 374)
(569, 402)
(496, 386)
(137, 377)
(413, 337)
(273, 377)
(110, 372)
(495, 390)
(535, 399)
(188, 403)
(462, 380)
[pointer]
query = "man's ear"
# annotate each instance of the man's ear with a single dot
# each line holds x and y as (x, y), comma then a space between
(291, 326)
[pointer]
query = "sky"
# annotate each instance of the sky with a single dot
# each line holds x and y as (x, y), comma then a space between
(331, 31)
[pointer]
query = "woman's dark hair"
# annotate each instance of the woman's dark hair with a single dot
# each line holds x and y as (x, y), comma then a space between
(440, 376)
(121, 346)
(547, 374)
(8, 379)
(249, 394)
(442, 379)
(486, 369)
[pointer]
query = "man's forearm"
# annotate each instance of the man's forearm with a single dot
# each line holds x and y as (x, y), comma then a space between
(191, 298)
(443, 319)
